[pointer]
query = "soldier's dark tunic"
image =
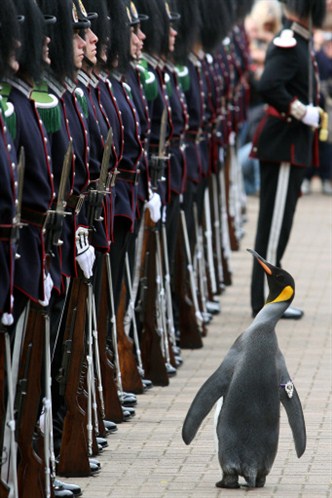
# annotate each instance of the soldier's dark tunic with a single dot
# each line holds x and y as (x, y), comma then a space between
(79, 179)
(133, 78)
(156, 109)
(97, 128)
(38, 191)
(285, 147)
(7, 213)
(127, 180)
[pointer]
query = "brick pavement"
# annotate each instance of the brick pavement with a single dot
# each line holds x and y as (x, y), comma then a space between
(146, 458)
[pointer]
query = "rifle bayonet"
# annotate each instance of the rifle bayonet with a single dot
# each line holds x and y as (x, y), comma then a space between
(61, 199)
(96, 196)
(54, 219)
(158, 162)
(101, 184)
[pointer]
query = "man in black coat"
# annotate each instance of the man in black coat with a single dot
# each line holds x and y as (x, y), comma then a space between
(286, 138)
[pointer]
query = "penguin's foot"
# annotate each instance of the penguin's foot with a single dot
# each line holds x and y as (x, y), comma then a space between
(260, 482)
(229, 481)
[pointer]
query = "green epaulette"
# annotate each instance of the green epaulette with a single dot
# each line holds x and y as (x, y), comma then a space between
(8, 110)
(184, 77)
(82, 101)
(148, 80)
(48, 107)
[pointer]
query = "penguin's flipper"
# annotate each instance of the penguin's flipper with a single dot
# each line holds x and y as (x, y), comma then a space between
(295, 416)
(212, 389)
(292, 404)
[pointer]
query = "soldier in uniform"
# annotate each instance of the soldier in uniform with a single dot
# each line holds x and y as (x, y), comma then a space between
(9, 218)
(286, 138)
(9, 35)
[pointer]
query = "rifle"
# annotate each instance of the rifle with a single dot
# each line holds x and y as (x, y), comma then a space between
(31, 477)
(128, 377)
(9, 465)
(54, 220)
(152, 357)
(49, 457)
(217, 231)
(174, 350)
(131, 318)
(200, 269)
(112, 405)
(96, 196)
(4, 488)
(161, 307)
(190, 328)
(99, 408)
(95, 410)
(225, 234)
(234, 243)
(74, 459)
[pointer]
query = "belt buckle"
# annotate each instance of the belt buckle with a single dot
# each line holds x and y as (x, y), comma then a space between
(79, 204)
(199, 137)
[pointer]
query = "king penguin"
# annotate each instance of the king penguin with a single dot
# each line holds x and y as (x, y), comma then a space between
(252, 380)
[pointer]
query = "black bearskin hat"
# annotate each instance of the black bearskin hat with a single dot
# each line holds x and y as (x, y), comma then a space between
(101, 25)
(188, 28)
(156, 27)
(304, 9)
(242, 9)
(135, 17)
(216, 23)
(9, 34)
(119, 47)
(61, 34)
(80, 18)
(31, 37)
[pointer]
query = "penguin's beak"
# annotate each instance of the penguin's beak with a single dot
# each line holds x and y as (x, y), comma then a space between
(264, 264)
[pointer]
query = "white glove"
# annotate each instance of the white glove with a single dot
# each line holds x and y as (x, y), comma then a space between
(311, 117)
(85, 253)
(48, 286)
(7, 319)
(154, 205)
(164, 214)
(232, 138)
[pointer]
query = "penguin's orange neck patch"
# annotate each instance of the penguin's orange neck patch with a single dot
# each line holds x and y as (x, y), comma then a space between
(284, 295)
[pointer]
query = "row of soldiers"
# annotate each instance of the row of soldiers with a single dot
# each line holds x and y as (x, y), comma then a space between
(121, 201)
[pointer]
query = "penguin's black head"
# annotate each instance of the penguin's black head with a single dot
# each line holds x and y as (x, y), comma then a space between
(281, 283)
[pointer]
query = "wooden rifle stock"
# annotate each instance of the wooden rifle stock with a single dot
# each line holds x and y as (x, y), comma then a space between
(31, 476)
(152, 357)
(230, 218)
(113, 408)
(74, 461)
(131, 379)
(190, 333)
(4, 488)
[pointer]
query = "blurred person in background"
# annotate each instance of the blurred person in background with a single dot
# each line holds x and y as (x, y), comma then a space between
(263, 22)
(323, 49)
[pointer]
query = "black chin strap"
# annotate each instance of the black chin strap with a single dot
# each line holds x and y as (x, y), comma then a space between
(91, 64)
